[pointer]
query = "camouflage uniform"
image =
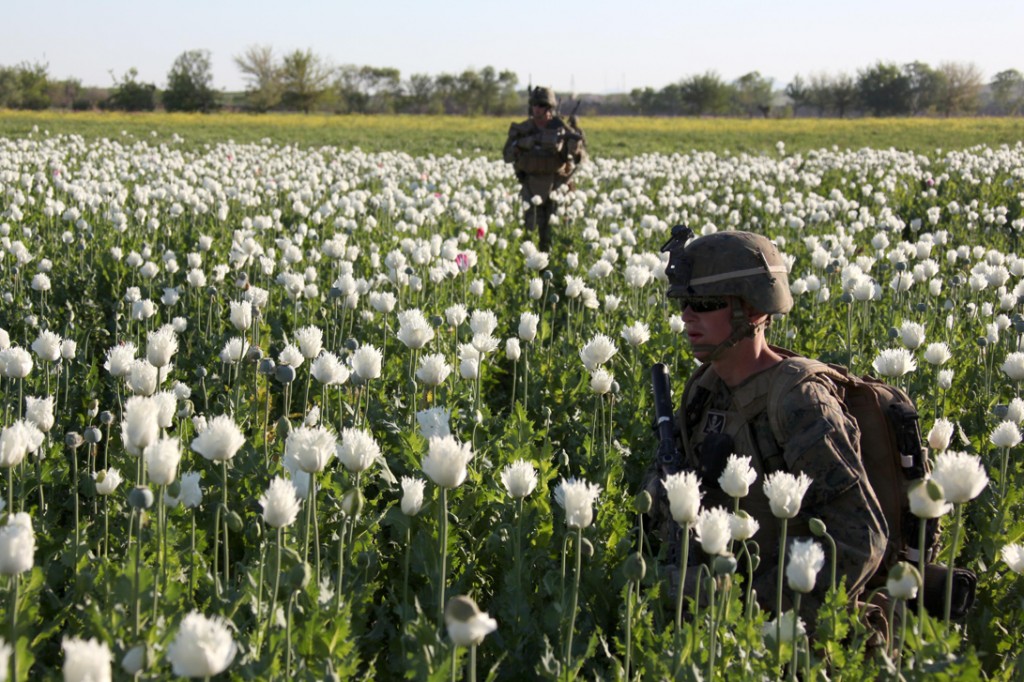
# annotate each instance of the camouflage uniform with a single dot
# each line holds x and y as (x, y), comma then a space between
(544, 159)
(819, 439)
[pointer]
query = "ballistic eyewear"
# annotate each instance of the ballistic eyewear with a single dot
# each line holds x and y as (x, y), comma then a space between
(705, 304)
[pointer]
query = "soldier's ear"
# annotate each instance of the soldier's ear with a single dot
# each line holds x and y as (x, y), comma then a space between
(754, 316)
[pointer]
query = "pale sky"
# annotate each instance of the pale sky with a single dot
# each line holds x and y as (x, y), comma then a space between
(571, 45)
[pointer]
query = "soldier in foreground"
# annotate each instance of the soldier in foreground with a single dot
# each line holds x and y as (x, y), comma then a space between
(728, 285)
(545, 152)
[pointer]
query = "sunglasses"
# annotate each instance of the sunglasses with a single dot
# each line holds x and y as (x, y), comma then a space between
(706, 304)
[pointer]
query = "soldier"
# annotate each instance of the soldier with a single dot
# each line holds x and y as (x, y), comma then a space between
(545, 152)
(728, 285)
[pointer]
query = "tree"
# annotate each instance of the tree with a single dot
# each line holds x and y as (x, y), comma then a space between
(925, 84)
(1007, 89)
(260, 68)
(819, 92)
(420, 95)
(383, 87)
(131, 95)
(64, 94)
(844, 93)
(885, 90)
(25, 86)
(642, 100)
(508, 99)
(304, 79)
(960, 89)
(189, 83)
(8, 87)
(798, 92)
(753, 94)
(705, 94)
(490, 92)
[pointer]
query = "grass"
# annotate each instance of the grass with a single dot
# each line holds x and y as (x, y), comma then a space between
(607, 137)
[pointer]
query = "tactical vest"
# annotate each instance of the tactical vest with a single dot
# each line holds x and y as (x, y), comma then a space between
(744, 419)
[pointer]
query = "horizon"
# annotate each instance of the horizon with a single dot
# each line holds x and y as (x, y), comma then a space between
(609, 52)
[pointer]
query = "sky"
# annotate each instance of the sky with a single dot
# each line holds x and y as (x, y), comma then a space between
(595, 47)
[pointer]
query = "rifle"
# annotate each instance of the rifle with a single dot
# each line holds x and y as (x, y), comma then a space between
(668, 459)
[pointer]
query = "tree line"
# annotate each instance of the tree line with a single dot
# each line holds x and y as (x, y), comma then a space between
(304, 81)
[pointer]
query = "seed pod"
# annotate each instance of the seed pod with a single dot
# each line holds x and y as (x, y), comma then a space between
(140, 497)
(642, 502)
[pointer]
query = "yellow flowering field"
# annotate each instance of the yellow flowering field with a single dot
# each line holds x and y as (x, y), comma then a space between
(615, 137)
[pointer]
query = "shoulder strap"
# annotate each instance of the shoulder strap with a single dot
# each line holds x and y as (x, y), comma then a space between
(695, 398)
(793, 371)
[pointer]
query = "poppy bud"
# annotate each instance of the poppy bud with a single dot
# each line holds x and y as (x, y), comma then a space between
(283, 428)
(352, 503)
(140, 497)
(296, 578)
(233, 521)
(634, 567)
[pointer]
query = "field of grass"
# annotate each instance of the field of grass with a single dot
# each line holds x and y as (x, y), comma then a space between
(608, 137)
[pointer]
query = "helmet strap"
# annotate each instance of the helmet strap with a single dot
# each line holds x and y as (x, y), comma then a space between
(742, 328)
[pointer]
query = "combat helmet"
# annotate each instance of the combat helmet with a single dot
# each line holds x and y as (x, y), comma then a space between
(543, 96)
(743, 265)
(735, 267)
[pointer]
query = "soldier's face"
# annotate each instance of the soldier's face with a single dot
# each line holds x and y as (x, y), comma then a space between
(706, 329)
(542, 113)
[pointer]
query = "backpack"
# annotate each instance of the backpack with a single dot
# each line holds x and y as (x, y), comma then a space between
(891, 447)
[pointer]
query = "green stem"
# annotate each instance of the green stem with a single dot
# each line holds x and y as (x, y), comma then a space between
(903, 636)
(714, 630)
(277, 585)
(74, 487)
(405, 583)
(682, 578)
(443, 546)
(796, 646)
(216, 551)
(259, 596)
(1002, 474)
(14, 626)
(519, 545)
(341, 563)
(575, 602)
(629, 628)
(778, 591)
(921, 561)
(138, 569)
(952, 559)
(288, 639)
(191, 558)
(224, 500)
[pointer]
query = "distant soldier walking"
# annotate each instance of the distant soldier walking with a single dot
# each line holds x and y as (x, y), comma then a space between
(545, 152)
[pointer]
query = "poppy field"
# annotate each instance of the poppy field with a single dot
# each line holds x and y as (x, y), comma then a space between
(323, 413)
